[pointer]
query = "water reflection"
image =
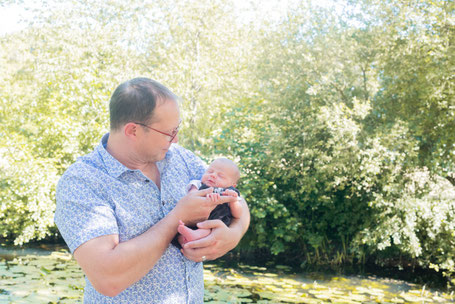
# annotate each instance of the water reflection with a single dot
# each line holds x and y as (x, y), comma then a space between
(37, 276)
(41, 276)
(260, 285)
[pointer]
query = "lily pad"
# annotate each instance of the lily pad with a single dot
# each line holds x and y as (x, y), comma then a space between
(412, 298)
(56, 278)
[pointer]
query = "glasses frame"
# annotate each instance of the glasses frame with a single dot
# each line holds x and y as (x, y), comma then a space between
(172, 135)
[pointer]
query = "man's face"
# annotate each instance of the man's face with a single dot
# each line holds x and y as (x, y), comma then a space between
(154, 145)
(219, 174)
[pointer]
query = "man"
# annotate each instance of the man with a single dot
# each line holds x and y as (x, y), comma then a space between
(118, 208)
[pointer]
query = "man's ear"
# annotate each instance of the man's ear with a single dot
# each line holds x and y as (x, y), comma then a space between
(130, 130)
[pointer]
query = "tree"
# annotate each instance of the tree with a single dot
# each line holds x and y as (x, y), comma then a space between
(417, 65)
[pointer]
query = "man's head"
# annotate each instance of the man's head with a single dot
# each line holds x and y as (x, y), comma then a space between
(135, 101)
(222, 173)
(145, 119)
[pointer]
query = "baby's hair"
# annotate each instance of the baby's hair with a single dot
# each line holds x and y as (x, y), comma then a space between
(230, 163)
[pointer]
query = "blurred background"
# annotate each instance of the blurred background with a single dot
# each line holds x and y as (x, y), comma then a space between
(341, 115)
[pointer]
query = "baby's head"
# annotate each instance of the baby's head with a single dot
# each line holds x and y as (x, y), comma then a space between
(222, 173)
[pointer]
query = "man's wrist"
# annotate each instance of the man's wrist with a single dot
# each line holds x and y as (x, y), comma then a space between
(174, 217)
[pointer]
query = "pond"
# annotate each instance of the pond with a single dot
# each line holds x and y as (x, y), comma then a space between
(43, 276)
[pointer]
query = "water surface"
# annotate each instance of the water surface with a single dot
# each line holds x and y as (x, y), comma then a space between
(43, 276)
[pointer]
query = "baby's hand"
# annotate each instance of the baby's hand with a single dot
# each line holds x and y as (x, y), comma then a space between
(213, 196)
(230, 192)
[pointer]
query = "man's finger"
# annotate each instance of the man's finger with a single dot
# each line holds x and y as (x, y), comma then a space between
(196, 255)
(201, 243)
(203, 192)
(219, 200)
(230, 192)
(226, 199)
(210, 224)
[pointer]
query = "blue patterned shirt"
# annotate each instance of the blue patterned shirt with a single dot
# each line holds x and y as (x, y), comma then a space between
(98, 196)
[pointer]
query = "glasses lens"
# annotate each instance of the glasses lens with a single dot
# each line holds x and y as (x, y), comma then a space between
(174, 133)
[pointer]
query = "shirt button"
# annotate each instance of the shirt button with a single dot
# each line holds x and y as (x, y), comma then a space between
(147, 181)
(162, 203)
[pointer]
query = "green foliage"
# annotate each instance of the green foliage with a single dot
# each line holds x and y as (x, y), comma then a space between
(53, 109)
(342, 123)
(324, 168)
(417, 63)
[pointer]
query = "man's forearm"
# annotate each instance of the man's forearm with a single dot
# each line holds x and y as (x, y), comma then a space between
(242, 223)
(111, 266)
(136, 257)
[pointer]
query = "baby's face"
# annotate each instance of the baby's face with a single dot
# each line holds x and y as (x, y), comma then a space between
(220, 174)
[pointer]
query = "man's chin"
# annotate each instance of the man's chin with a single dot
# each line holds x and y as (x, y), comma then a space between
(164, 152)
(161, 156)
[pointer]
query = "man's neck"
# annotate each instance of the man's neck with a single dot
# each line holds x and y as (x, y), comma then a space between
(119, 150)
(124, 153)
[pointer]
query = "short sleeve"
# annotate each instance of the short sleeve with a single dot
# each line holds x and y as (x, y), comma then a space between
(82, 214)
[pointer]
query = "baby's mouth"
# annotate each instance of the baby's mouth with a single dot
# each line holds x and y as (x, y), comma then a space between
(210, 183)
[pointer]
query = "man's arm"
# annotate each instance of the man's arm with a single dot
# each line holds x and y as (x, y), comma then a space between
(221, 240)
(112, 266)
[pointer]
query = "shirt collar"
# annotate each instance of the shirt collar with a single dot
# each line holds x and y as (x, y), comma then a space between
(116, 168)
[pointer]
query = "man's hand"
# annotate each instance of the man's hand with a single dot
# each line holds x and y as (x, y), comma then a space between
(196, 206)
(222, 239)
(216, 244)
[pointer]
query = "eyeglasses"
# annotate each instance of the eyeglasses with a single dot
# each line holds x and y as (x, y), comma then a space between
(172, 135)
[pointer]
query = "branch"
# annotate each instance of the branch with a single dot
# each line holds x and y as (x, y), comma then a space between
(451, 179)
